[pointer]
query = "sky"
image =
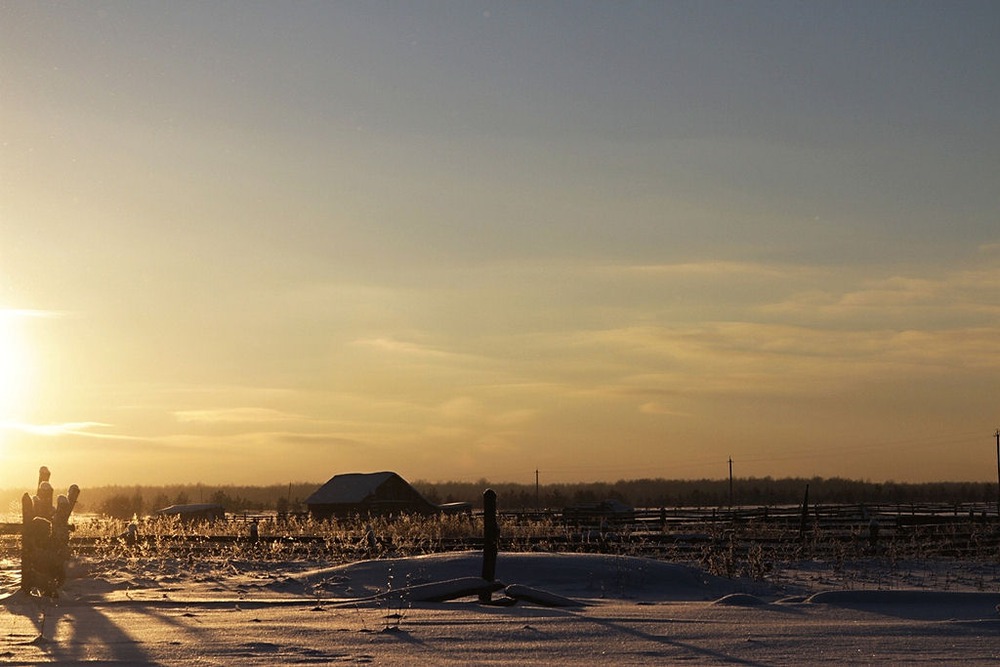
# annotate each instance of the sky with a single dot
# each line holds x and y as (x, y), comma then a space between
(255, 242)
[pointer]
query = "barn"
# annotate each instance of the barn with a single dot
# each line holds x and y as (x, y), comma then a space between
(374, 493)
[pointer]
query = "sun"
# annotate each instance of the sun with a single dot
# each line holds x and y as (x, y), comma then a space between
(15, 364)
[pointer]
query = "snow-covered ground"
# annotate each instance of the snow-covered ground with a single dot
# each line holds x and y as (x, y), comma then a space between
(548, 609)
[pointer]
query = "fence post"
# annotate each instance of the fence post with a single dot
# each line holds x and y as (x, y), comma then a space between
(27, 567)
(491, 540)
(805, 515)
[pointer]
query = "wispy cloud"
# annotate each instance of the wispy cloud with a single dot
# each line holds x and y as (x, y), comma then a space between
(53, 430)
(907, 300)
(236, 415)
(470, 409)
(659, 408)
(718, 268)
(393, 346)
(29, 313)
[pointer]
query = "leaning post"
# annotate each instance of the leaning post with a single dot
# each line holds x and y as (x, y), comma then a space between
(491, 541)
(804, 521)
(27, 516)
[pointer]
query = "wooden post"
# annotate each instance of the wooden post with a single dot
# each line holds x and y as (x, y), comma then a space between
(27, 516)
(805, 515)
(45, 537)
(491, 540)
(873, 528)
(997, 434)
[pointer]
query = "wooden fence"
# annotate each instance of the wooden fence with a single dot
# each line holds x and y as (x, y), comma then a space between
(828, 531)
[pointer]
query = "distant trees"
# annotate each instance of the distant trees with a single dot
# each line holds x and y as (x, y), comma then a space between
(712, 493)
(159, 502)
(123, 506)
(124, 502)
(220, 497)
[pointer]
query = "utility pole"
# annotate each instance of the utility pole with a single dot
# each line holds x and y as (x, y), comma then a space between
(730, 483)
(997, 435)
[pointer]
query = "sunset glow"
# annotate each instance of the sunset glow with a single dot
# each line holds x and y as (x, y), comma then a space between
(475, 240)
(15, 367)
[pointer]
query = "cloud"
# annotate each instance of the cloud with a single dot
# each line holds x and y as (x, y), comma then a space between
(401, 347)
(494, 444)
(462, 407)
(989, 249)
(235, 416)
(515, 417)
(894, 292)
(658, 408)
(448, 432)
(316, 439)
(718, 268)
(764, 359)
(28, 313)
(970, 292)
(53, 430)
(469, 409)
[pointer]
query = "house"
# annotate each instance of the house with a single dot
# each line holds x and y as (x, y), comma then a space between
(375, 493)
(195, 512)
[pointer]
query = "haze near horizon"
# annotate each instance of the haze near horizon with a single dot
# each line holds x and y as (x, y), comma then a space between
(247, 243)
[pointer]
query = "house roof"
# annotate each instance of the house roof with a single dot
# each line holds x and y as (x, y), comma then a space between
(349, 488)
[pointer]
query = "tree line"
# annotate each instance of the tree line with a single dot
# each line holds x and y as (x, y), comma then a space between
(128, 501)
(752, 491)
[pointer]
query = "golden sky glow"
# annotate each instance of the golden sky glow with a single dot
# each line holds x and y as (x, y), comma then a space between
(252, 243)
(15, 366)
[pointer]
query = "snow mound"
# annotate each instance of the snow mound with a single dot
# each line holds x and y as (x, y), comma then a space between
(578, 576)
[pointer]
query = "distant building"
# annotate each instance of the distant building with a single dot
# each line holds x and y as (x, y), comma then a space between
(375, 493)
(603, 512)
(195, 512)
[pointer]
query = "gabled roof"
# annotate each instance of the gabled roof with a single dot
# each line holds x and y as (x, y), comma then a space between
(349, 488)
